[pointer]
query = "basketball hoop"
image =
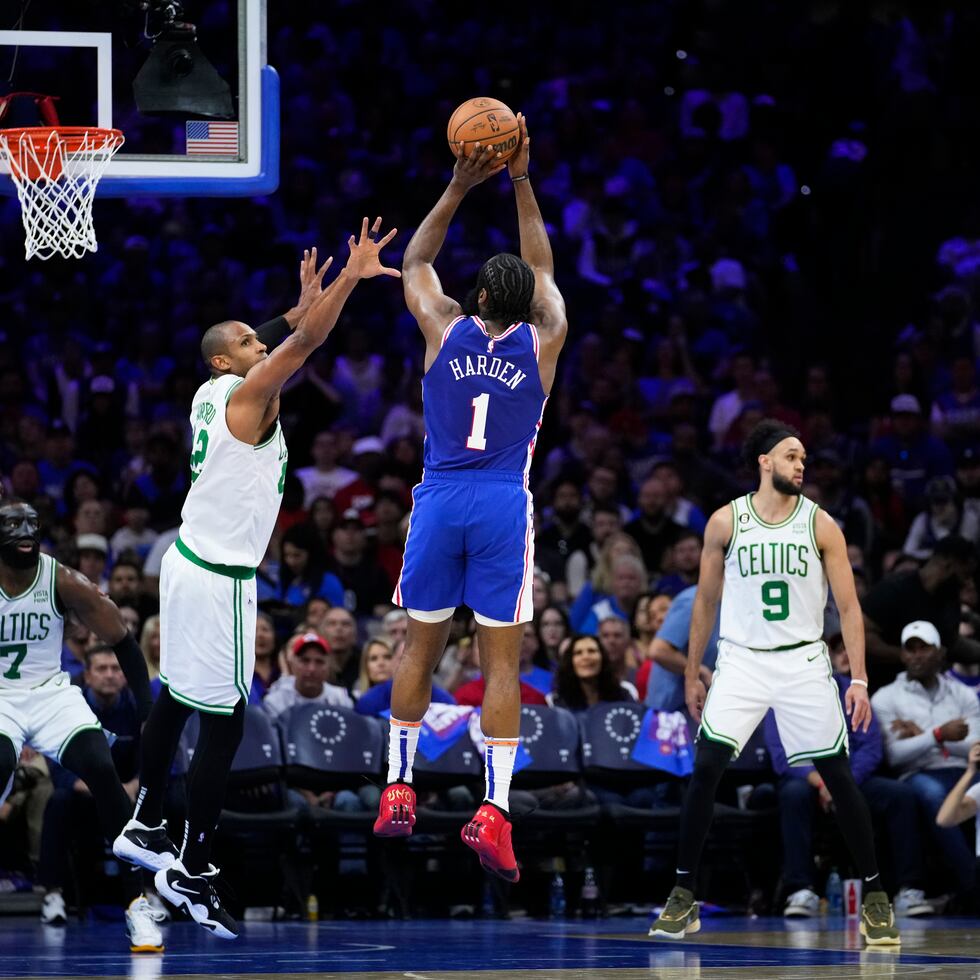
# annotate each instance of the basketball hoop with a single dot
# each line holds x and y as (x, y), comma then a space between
(56, 170)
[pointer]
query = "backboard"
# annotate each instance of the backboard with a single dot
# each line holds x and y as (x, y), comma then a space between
(88, 54)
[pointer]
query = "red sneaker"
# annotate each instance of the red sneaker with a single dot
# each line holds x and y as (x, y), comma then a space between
(396, 814)
(488, 833)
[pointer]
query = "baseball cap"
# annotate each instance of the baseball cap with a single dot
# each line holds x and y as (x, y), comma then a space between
(351, 516)
(92, 542)
(102, 384)
(921, 630)
(367, 444)
(308, 640)
(906, 405)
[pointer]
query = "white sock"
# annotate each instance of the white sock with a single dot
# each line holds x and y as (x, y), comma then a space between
(403, 740)
(501, 753)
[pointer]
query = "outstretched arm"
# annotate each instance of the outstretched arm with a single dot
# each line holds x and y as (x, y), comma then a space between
(250, 399)
(711, 582)
(547, 305)
(101, 615)
(833, 549)
(426, 301)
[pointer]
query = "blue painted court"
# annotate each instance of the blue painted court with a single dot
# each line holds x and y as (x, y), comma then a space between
(727, 947)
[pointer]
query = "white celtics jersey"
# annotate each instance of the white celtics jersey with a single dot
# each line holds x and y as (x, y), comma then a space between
(775, 585)
(31, 631)
(236, 489)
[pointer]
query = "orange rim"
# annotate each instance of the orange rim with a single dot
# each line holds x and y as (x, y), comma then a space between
(72, 139)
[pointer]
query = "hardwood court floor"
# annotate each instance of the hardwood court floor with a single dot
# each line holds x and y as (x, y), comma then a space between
(618, 949)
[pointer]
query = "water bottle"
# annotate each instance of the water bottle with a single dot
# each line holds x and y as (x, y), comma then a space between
(835, 895)
(312, 908)
(557, 903)
(590, 895)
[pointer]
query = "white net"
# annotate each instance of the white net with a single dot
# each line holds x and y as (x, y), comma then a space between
(56, 172)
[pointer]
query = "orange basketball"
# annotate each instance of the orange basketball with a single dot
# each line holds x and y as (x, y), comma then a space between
(483, 121)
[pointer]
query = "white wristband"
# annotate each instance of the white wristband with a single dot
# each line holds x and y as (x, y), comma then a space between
(857, 680)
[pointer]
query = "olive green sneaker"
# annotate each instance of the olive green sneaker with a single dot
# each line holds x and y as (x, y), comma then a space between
(878, 921)
(679, 918)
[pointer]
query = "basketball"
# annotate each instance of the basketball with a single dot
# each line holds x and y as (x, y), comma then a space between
(484, 121)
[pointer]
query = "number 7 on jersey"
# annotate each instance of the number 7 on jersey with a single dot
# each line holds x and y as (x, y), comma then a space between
(477, 437)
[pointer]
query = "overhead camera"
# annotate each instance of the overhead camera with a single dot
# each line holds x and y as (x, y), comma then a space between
(177, 79)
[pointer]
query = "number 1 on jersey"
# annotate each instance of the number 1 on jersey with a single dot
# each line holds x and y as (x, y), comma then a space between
(477, 438)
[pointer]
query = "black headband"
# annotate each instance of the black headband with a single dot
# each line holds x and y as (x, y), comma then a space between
(774, 439)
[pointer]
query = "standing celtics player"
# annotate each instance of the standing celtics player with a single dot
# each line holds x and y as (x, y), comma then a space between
(773, 553)
(207, 580)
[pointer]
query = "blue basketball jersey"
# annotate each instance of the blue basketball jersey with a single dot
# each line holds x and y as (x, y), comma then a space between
(483, 399)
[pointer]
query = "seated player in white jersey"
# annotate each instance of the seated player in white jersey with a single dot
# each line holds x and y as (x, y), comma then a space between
(471, 536)
(40, 707)
(207, 578)
(768, 558)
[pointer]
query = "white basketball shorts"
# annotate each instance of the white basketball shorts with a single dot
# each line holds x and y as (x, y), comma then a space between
(797, 684)
(207, 631)
(45, 717)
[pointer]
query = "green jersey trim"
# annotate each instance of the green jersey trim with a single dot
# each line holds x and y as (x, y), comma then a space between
(812, 523)
(731, 544)
(240, 381)
(91, 726)
(792, 517)
(211, 709)
(30, 588)
(229, 571)
(54, 589)
(275, 433)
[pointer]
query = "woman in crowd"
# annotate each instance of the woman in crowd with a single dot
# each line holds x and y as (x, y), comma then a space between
(585, 676)
(266, 658)
(376, 665)
(600, 585)
(303, 570)
(552, 626)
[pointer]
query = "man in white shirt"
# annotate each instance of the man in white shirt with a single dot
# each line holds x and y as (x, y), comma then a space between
(324, 478)
(309, 661)
(929, 723)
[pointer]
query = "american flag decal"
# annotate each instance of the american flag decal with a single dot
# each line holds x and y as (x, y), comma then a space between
(213, 138)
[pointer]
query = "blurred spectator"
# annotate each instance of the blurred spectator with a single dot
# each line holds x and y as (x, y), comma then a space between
(394, 626)
(850, 512)
(325, 477)
(366, 586)
(266, 662)
(665, 688)
(681, 511)
(376, 700)
(161, 490)
(304, 572)
(308, 681)
(629, 582)
(93, 556)
(929, 723)
(600, 585)
(340, 630)
(134, 535)
(150, 645)
(944, 515)
(375, 665)
(912, 453)
(566, 535)
(614, 634)
(586, 676)
(684, 565)
(653, 530)
(552, 629)
(931, 593)
(648, 616)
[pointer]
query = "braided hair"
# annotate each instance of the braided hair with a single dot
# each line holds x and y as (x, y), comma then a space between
(509, 282)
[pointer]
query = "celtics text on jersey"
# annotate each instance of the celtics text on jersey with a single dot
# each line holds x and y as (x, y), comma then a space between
(31, 631)
(775, 585)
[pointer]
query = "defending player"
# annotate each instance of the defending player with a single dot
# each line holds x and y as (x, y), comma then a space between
(774, 552)
(471, 537)
(40, 707)
(207, 581)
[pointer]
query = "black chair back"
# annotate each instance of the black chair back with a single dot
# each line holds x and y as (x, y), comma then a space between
(329, 747)
(551, 737)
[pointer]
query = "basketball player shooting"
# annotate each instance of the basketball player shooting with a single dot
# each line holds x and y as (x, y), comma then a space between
(40, 707)
(207, 580)
(471, 536)
(768, 558)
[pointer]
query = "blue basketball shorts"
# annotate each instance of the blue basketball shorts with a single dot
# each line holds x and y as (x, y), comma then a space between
(470, 542)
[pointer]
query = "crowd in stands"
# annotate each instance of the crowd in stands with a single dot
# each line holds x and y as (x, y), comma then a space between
(723, 260)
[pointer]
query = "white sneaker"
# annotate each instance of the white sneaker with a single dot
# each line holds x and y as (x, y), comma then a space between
(912, 902)
(158, 907)
(144, 933)
(804, 904)
(53, 910)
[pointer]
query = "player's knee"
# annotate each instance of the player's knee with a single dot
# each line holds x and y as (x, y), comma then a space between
(88, 756)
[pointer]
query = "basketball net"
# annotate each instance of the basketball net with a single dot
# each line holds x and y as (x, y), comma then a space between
(56, 171)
